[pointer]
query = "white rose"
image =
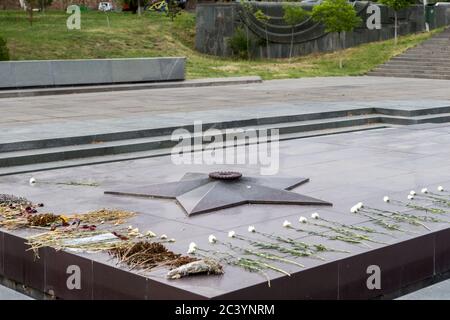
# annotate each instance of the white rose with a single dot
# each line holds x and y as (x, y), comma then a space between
(212, 239)
(286, 224)
(302, 220)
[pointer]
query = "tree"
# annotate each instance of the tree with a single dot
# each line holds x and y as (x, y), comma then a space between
(396, 5)
(264, 19)
(337, 16)
(247, 7)
(293, 15)
(4, 53)
(44, 4)
(173, 9)
(31, 5)
(134, 5)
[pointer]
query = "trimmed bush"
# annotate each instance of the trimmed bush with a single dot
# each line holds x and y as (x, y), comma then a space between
(4, 54)
(239, 43)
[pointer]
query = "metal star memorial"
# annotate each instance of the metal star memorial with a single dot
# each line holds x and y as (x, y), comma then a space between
(199, 192)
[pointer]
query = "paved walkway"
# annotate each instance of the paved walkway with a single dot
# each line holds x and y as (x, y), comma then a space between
(68, 115)
(438, 291)
(8, 294)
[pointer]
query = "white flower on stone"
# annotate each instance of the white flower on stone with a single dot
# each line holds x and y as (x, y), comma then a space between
(251, 229)
(302, 220)
(441, 188)
(135, 230)
(410, 197)
(386, 199)
(212, 239)
(231, 234)
(163, 237)
(150, 234)
(32, 181)
(315, 215)
(287, 224)
(354, 209)
(192, 248)
(412, 193)
(424, 190)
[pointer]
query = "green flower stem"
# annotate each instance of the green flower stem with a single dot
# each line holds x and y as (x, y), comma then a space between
(435, 199)
(383, 223)
(277, 247)
(264, 255)
(301, 244)
(418, 207)
(421, 218)
(347, 233)
(244, 264)
(332, 237)
(357, 228)
(397, 217)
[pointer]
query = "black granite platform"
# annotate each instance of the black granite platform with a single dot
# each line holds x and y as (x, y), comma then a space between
(343, 169)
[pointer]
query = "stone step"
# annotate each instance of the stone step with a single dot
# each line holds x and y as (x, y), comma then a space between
(411, 70)
(427, 52)
(102, 137)
(430, 57)
(35, 167)
(425, 47)
(127, 87)
(429, 67)
(27, 157)
(407, 75)
(411, 57)
(416, 66)
(130, 146)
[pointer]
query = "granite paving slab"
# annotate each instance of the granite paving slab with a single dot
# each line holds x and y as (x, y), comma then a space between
(45, 117)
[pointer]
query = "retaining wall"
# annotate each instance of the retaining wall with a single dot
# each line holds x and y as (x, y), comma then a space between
(216, 23)
(54, 73)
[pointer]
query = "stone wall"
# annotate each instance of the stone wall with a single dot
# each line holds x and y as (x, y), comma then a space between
(216, 23)
(51, 73)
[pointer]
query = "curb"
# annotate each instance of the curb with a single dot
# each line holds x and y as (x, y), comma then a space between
(19, 93)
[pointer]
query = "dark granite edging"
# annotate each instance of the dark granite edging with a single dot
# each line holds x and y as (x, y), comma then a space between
(404, 264)
(51, 73)
(46, 277)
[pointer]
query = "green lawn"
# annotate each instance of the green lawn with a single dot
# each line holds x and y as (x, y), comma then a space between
(153, 34)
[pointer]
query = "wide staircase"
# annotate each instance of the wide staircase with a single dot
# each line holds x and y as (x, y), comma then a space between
(430, 59)
(55, 150)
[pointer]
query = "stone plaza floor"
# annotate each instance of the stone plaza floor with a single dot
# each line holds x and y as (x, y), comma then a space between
(72, 114)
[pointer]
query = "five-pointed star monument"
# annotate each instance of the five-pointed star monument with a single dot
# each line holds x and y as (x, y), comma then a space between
(200, 192)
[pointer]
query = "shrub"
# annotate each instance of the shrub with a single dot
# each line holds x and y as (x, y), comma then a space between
(239, 44)
(4, 54)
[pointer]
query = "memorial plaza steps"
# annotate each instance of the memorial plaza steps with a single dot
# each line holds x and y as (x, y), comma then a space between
(430, 60)
(58, 152)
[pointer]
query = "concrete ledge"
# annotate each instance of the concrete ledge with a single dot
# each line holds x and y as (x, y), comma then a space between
(126, 87)
(55, 73)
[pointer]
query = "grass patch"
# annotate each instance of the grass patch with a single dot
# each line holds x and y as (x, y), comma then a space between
(153, 34)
